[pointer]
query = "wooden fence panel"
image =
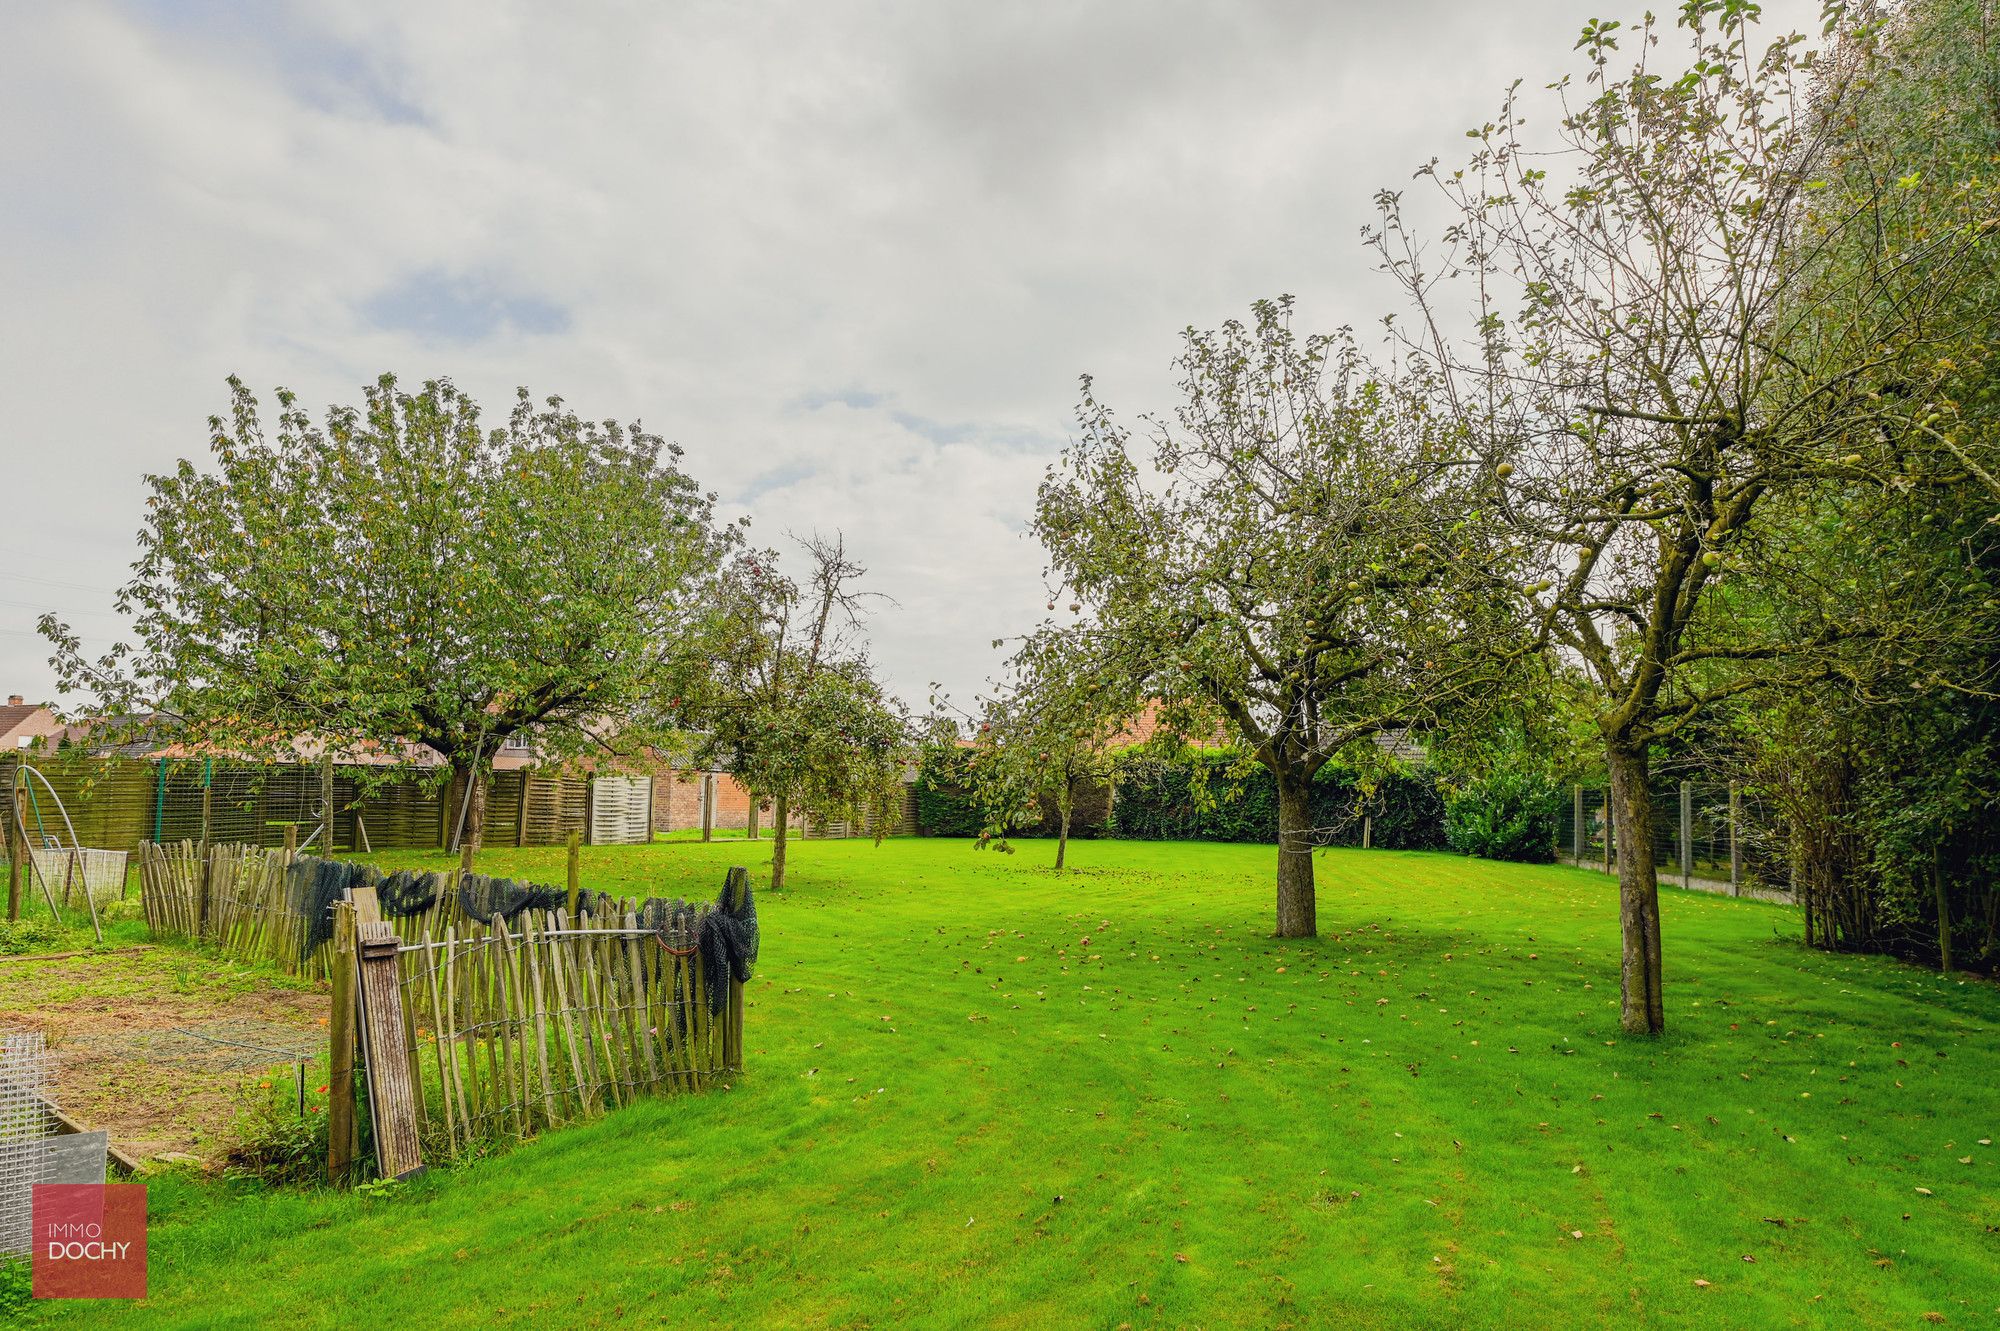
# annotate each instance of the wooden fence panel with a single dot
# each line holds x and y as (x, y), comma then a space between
(621, 810)
(552, 808)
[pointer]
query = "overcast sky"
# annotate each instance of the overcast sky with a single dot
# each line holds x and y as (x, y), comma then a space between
(852, 257)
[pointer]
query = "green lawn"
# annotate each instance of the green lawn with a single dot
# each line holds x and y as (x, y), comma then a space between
(981, 1094)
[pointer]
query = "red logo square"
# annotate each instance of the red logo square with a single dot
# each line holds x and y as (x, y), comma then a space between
(90, 1240)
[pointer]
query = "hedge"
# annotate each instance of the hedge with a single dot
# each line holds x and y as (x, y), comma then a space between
(1155, 802)
(945, 804)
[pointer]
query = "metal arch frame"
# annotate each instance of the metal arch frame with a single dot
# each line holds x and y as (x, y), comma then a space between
(21, 772)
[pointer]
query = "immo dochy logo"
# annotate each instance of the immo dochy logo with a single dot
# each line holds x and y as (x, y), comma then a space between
(90, 1241)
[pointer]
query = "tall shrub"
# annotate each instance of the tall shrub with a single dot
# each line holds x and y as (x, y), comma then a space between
(1504, 815)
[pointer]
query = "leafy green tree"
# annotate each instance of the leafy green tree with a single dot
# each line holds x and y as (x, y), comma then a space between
(1657, 345)
(1051, 734)
(793, 708)
(1307, 553)
(399, 578)
(1887, 771)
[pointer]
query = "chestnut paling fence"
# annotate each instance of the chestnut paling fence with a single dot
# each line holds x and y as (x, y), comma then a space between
(236, 898)
(468, 1031)
(511, 1028)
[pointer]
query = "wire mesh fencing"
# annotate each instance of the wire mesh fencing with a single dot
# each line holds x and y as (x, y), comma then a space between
(25, 1127)
(1706, 835)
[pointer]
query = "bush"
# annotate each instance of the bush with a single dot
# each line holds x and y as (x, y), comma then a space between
(1508, 814)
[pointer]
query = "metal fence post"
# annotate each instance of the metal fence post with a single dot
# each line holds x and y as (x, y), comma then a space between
(1735, 847)
(1607, 831)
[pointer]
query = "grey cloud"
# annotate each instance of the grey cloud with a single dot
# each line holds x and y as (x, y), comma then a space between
(852, 257)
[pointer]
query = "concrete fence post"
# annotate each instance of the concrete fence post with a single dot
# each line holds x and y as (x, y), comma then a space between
(1608, 849)
(1687, 834)
(1735, 842)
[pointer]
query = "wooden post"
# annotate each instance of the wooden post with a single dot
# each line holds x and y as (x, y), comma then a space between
(1687, 834)
(392, 1109)
(1576, 825)
(734, 886)
(1735, 849)
(17, 842)
(708, 806)
(465, 824)
(291, 842)
(1943, 910)
(575, 869)
(1367, 831)
(340, 1121)
(207, 810)
(326, 804)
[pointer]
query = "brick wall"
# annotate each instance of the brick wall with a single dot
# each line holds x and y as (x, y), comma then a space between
(677, 802)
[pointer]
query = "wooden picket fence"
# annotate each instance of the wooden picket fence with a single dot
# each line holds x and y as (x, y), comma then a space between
(470, 1034)
(475, 1034)
(237, 899)
(508, 1030)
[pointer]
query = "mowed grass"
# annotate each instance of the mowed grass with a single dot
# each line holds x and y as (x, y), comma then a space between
(982, 1094)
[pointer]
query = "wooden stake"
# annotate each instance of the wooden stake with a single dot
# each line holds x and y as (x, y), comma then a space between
(575, 870)
(1735, 853)
(17, 841)
(340, 1078)
(734, 887)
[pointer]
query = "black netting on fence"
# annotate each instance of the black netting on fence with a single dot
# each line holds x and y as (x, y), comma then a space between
(407, 892)
(744, 919)
(488, 899)
(312, 886)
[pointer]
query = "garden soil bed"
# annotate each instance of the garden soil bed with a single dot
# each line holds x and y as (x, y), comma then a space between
(163, 1048)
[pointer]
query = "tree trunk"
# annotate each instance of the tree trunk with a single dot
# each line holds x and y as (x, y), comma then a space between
(1062, 838)
(780, 816)
(468, 819)
(1297, 913)
(750, 830)
(1643, 1009)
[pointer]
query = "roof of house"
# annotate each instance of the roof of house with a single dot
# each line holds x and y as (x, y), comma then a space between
(22, 721)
